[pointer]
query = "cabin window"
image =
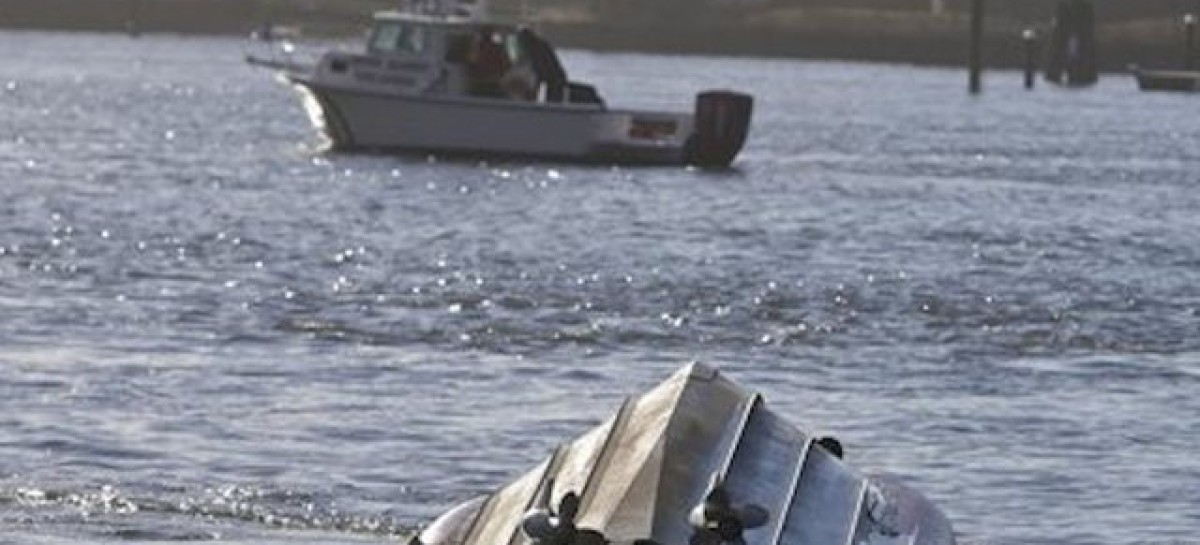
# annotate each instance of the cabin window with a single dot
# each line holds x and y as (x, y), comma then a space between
(512, 46)
(398, 38)
(459, 45)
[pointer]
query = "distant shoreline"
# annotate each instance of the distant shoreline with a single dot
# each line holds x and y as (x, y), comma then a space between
(862, 36)
(947, 49)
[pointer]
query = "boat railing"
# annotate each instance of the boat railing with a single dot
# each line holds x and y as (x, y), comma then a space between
(506, 12)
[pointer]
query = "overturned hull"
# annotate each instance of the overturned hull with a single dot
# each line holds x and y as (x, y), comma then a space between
(698, 460)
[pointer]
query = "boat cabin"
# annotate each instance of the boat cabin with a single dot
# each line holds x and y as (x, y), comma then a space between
(455, 57)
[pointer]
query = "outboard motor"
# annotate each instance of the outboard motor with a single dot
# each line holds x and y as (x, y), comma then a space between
(722, 120)
(717, 521)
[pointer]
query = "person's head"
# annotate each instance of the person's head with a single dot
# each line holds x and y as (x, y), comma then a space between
(525, 35)
(485, 34)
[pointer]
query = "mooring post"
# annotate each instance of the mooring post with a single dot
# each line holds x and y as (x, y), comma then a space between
(1029, 40)
(976, 56)
(1189, 37)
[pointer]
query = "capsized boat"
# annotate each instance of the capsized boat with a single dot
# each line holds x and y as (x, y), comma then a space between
(444, 77)
(697, 460)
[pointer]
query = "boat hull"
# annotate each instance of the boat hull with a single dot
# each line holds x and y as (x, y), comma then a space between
(1168, 80)
(698, 460)
(358, 120)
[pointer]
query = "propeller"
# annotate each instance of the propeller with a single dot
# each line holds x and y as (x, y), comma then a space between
(549, 527)
(718, 521)
(831, 445)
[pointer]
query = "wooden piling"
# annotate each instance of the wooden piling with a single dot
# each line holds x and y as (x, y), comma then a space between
(1189, 51)
(975, 61)
(1029, 41)
(1071, 55)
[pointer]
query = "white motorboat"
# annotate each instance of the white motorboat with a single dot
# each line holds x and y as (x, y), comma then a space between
(443, 77)
(698, 460)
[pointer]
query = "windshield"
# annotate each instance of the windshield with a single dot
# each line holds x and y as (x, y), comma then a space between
(395, 37)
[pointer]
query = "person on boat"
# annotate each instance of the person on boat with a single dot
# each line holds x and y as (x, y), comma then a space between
(546, 66)
(486, 65)
(520, 82)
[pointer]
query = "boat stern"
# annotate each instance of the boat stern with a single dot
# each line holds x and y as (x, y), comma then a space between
(697, 460)
(710, 137)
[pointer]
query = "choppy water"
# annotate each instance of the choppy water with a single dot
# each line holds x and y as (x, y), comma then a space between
(211, 332)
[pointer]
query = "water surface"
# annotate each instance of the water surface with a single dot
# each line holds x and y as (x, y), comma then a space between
(213, 332)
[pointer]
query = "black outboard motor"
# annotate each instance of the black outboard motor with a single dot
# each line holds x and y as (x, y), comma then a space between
(722, 120)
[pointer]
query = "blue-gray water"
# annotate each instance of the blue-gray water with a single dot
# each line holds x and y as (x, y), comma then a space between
(211, 332)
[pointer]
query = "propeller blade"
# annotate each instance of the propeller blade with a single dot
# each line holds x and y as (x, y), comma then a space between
(753, 516)
(729, 528)
(538, 525)
(568, 507)
(589, 537)
(716, 492)
(717, 518)
(704, 537)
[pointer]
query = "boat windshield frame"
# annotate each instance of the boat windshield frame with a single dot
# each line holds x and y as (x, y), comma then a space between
(390, 37)
(417, 35)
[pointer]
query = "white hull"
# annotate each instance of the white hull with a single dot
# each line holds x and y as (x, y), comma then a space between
(441, 83)
(364, 119)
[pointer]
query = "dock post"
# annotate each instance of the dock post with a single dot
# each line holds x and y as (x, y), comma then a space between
(976, 55)
(1029, 41)
(1189, 30)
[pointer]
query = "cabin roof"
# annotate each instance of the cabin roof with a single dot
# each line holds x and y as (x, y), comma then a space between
(452, 21)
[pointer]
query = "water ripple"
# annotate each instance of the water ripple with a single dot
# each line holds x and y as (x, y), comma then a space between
(995, 297)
